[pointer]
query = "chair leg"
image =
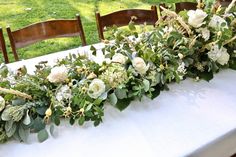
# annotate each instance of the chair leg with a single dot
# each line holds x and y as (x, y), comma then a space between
(3, 47)
(99, 26)
(13, 46)
(82, 36)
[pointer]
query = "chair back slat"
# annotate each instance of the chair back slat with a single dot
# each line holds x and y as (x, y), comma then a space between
(45, 30)
(3, 47)
(123, 17)
(185, 6)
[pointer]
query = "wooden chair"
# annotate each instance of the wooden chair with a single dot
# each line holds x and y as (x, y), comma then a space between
(185, 6)
(45, 30)
(123, 17)
(224, 3)
(3, 47)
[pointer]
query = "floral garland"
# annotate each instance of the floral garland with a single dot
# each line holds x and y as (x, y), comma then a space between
(195, 43)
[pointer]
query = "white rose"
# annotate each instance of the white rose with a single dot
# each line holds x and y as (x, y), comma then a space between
(224, 58)
(219, 54)
(205, 33)
(96, 88)
(196, 17)
(119, 58)
(63, 93)
(217, 21)
(2, 103)
(58, 74)
(139, 65)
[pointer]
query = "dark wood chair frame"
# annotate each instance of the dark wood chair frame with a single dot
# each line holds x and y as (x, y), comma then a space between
(123, 17)
(185, 6)
(192, 6)
(3, 47)
(45, 30)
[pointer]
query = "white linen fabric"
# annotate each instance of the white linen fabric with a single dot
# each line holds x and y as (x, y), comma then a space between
(195, 119)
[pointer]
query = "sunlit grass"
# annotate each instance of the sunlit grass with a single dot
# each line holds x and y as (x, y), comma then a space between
(14, 13)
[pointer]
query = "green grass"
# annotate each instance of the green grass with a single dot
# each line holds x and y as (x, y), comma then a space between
(14, 13)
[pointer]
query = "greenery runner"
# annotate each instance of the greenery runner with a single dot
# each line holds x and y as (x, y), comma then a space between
(195, 44)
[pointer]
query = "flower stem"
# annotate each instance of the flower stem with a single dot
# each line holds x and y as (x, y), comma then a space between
(178, 18)
(16, 92)
(231, 5)
(230, 40)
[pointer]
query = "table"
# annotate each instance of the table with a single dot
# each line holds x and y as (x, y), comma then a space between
(193, 119)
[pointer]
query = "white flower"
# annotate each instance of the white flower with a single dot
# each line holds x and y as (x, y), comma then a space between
(196, 17)
(63, 93)
(224, 58)
(219, 54)
(58, 74)
(181, 56)
(205, 33)
(119, 58)
(96, 88)
(2, 103)
(107, 60)
(168, 29)
(139, 65)
(217, 21)
(181, 68)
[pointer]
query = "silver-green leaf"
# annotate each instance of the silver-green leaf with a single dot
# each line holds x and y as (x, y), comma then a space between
(42, 135)
(112, 99)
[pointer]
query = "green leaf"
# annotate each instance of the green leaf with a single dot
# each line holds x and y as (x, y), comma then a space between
(81, 120)
(123, 103)
(27, 120)
(156, 92)
(5, 114)
(132, 26)
(88, 107)
(93, 49)
(146, 84)
(37, 124)
(112, 99)
(42, 135)
(120, 93)
(18, 102)
(103, 96)
(8, 125)
(97, 101)
(41, 110)
(206, 76)
(23, 134)
(12, 130)
(52, 128)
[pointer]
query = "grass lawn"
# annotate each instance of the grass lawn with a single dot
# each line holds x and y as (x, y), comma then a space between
(16, 14)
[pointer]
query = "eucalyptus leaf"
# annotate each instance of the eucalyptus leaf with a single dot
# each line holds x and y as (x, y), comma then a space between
(52, 129)
(12, 130)
(103, 96)
(23, 134)
(42, 135)
(121, 93)
(8, 125)
(146, 84)
(112, 99)
(18, 102)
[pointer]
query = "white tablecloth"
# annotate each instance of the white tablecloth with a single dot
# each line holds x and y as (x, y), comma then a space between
(195, 119)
